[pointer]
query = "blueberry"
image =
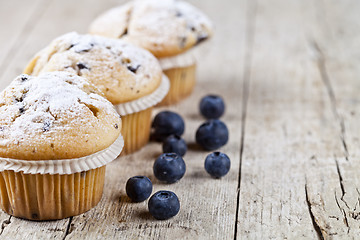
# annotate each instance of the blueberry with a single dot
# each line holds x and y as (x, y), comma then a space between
(201, 38)
(47, 125)
(133, 69)
(169, 167)
(174, 144)
(212, 134)
(164, 205)
(81, 66)
(212, 107)
(139, 188)
(166, 123)
(217, 164)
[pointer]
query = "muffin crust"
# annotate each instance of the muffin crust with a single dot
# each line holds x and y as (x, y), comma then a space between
(55, 115)
(164, 27)
(120, 70)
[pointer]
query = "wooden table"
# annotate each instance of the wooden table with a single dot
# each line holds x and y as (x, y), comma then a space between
(289, 72)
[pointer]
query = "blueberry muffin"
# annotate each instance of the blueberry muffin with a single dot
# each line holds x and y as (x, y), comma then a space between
(167, 28)
(130, 77)
(56, 134)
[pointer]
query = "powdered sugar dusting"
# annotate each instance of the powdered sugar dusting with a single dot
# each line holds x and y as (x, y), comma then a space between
(45, 104)
(157, 25)
(159, 16)
(112, 51)
(110, 64)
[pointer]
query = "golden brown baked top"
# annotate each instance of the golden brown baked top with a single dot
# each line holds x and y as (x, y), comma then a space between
(164, 27)
(120, 70)
(55, 115)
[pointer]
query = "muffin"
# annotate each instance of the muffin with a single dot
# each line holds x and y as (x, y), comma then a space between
(57, 133)
(130, 77)
(169, 29)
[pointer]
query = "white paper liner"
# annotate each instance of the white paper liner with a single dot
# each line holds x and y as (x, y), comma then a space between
(181, 60)
(145, 102)
(65, 166)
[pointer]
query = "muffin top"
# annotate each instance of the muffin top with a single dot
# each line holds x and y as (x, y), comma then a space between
(55, 115)
(164, 27)
(120, 70)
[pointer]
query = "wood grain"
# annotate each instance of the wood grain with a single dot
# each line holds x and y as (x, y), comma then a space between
(334, 188)
(288, 71)
(293, 99)
(20, 22)
(284, 120)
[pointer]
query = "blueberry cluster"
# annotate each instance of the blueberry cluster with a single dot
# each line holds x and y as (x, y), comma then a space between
(162, 205)
(170, 166)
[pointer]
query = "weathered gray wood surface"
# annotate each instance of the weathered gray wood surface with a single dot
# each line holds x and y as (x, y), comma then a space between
(289, 71)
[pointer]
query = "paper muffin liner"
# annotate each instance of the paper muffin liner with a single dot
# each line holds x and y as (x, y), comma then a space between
(145, 102)
(50, 197)
(178, 61)
(182, 81)
(65, 166)
(136, 130)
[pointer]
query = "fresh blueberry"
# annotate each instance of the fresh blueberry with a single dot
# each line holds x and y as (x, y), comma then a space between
(169, 167)
(212, 106)
(166, 123)
(164, 205)
(138, 188)
(217, 164)
(174, 144)
(212, 134)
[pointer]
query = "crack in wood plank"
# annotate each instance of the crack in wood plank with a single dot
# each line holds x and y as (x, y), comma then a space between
(356, 215)
(321, 63)
(250, 35)
(5, 223)
(342, 210)
(69, 228)
(343, 192)
(342, 179)
(317, 227)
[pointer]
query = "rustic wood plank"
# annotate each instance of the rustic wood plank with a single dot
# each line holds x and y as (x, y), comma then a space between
(334, 189)
(289, 125)
(338, 40)
(17, 19)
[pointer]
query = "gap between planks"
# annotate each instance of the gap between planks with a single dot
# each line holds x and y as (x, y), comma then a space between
(250, 35)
